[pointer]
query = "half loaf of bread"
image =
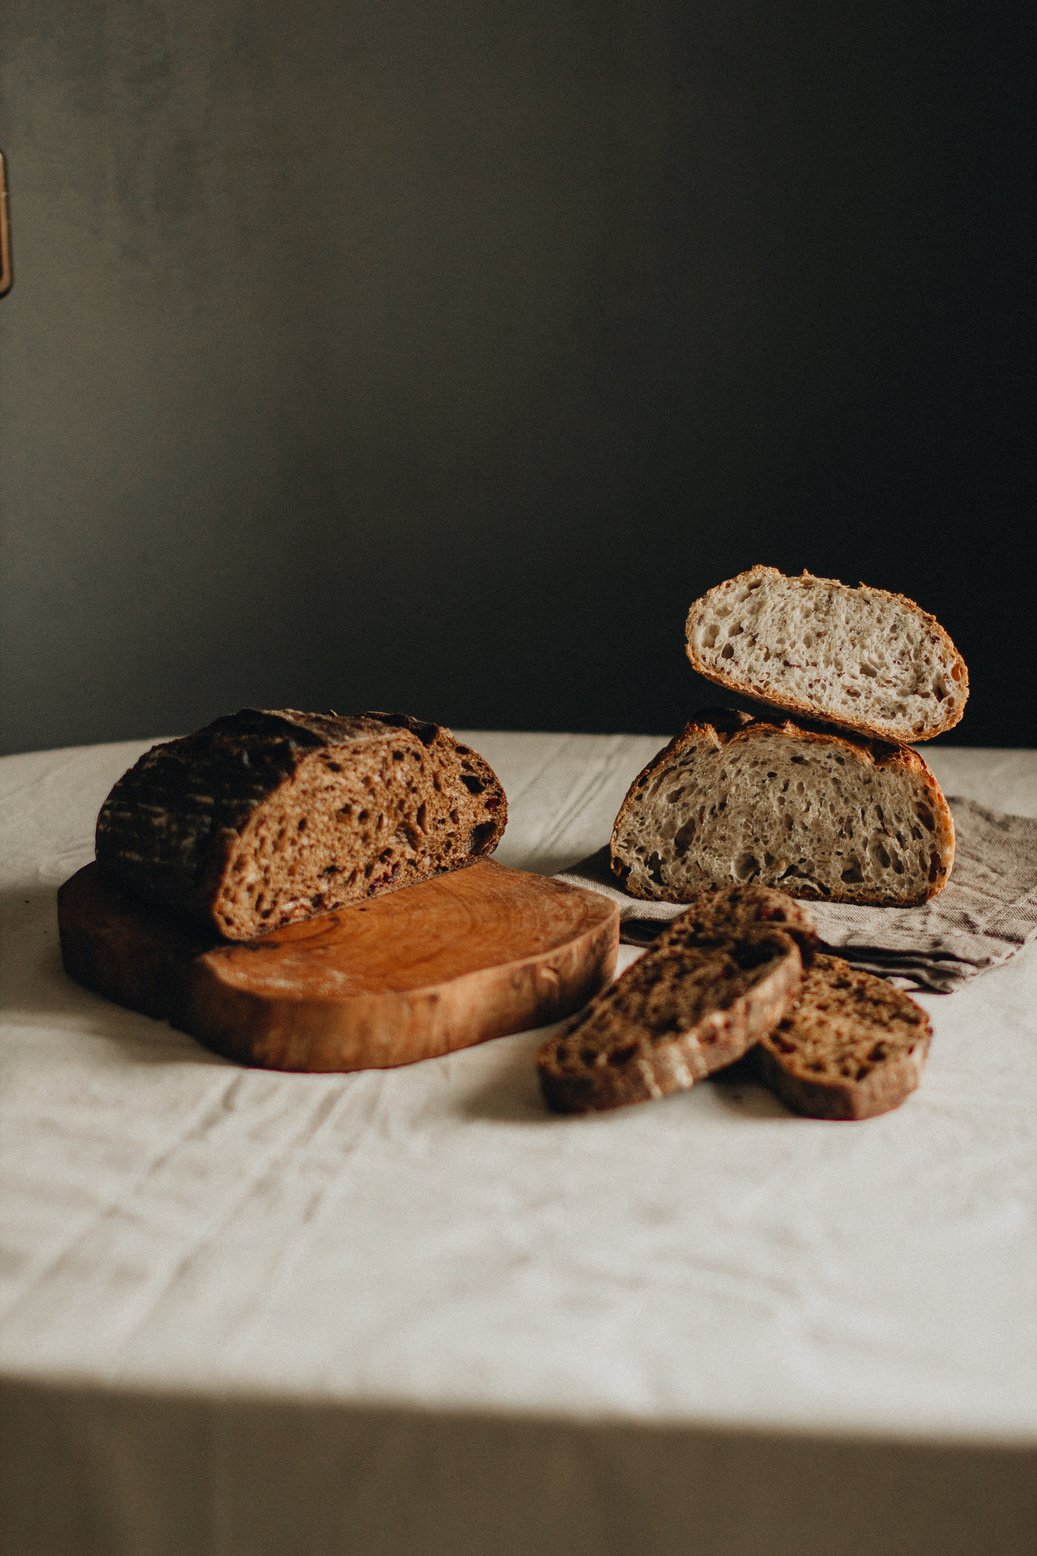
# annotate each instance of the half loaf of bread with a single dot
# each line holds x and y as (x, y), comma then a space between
(862, 658)
(734, 799)
(851, 1046)
(715, 982)
(267, 817)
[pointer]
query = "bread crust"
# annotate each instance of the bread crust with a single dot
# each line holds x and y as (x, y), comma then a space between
(722, 727)
(791, 702)
(172, 826)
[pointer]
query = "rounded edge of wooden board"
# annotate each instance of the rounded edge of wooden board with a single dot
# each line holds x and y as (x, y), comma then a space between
(392, 1027)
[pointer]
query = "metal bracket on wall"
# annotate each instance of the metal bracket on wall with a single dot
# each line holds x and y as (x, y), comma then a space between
(6, 276)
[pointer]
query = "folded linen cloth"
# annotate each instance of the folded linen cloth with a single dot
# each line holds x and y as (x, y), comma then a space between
(984, 914)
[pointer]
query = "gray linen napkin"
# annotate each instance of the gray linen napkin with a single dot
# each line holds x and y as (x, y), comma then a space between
(984, 914)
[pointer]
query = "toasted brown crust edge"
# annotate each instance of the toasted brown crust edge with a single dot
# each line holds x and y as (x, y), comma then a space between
(725, 725)
(793, 704)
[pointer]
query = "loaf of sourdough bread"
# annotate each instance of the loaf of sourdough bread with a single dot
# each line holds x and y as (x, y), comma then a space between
(862, 658)
(717, 980)
(268, 817)
(851, 1045)
(736, 799)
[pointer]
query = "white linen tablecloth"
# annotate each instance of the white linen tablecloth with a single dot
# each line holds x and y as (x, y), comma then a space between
(410, 1311)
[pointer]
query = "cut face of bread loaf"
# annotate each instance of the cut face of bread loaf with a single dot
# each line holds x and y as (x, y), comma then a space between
(734, 799)
(862, 658)
(267, 817)
(688, 1007)
(851, 1045)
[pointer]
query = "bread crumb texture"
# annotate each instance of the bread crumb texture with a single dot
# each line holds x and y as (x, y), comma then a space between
(851, 1046)
(734, 799)
(862, 658)
(694, 1003)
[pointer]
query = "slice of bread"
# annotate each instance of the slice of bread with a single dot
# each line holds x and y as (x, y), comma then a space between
(861, 658)
(727, 913)
(851, 1046)
(735, 799)
(268, 817)
(688, 1007)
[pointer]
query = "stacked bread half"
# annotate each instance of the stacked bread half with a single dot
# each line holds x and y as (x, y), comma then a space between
(818, 796)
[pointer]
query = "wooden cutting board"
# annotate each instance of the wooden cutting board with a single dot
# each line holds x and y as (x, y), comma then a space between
(405, 976)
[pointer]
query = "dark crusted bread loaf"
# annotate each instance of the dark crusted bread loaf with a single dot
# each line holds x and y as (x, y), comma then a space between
(709, 988)
(851, 1045)
(266, 817)
(862, 658)
(820, 815)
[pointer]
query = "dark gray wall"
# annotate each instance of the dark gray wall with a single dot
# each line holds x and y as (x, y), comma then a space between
(435, 356)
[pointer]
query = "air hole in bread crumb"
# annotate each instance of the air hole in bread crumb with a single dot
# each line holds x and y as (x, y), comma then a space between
(482, 836)
(622, 1055)
(879, 856)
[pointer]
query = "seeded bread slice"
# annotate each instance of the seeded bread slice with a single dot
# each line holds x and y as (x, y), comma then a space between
(861, 658)
(268, 817)
(686, 1008)
(735, 799)
(851, 1045)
